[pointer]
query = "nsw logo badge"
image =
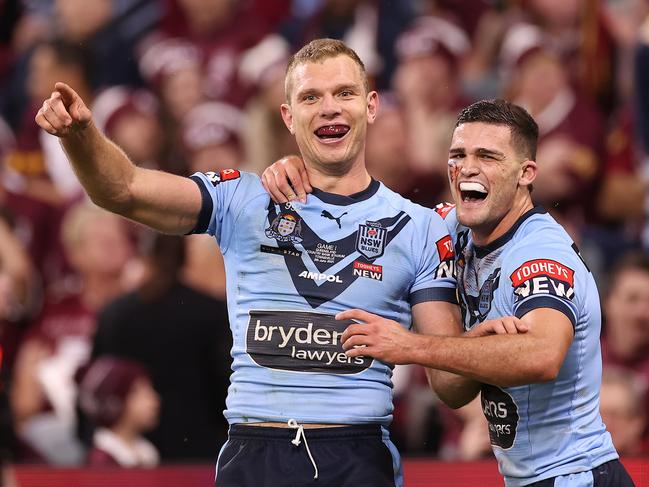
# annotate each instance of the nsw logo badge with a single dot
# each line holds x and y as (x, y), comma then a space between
(370, 241)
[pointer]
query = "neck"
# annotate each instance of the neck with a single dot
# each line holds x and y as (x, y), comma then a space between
(339, 179)
(124, 432)
(487, 235)
(99, 290)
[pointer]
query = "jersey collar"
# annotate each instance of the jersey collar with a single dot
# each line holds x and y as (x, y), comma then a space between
(482, 251)
(340, 200)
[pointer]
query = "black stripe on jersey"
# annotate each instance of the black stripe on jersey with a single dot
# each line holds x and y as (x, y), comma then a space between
(537, 302)
(314, 294)
(448, 294)
(205, 215)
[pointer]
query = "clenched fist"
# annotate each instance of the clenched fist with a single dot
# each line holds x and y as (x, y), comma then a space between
(64, 112)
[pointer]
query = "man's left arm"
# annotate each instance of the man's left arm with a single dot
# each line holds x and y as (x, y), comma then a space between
(500, 360)
(441, 318)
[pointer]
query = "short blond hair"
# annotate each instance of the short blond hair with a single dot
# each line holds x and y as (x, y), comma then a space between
(77, 219)
(317, 51)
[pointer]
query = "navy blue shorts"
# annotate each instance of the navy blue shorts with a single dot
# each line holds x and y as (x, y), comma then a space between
(348, 456)
(609, 474)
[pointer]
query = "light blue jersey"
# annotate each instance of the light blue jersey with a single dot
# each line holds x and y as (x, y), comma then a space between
(290, 268)
(543, 430)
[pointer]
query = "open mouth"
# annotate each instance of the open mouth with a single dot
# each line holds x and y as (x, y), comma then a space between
(329, 132)
(470, 192)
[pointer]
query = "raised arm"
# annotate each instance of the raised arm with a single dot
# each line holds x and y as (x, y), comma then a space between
(163, 201)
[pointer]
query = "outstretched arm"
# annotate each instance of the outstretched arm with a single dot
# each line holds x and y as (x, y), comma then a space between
(502, 360)
(165, 202)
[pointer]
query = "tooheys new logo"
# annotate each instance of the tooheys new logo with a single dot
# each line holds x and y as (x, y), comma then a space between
(543, 276)
(300, 341)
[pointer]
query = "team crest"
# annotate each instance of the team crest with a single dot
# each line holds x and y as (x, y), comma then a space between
(370, 239)
(285, 228)
(487, 293)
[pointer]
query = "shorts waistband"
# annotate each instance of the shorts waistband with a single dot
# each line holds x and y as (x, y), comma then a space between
(242, 431)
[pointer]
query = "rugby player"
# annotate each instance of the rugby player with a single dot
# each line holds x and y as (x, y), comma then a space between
(299, 408)
(539, 389)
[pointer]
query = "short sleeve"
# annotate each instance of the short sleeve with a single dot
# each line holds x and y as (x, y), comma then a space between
(544, 277)
(435, 278)
(223, 196)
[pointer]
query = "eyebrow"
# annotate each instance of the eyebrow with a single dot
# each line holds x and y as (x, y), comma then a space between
(481, 151)
(342, 87)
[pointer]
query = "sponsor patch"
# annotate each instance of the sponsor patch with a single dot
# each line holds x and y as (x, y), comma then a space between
(502, 416)
(318, 276)
(300, 342)
(370, 240)
(543, 276)
(443, 209)
(229, 174)
(222, 176)
(446, 268)
(280, 251)
(286, 227)
(445, 248)
(370, 271)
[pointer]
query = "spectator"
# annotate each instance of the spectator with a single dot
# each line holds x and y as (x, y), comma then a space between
(118, 396)
(621, 399)
(625, 341)
(181, 335)
(265, 136)
(427, 86)
(570, 128)
(221, 30)
(626, 309)
(130, 118)
(211, 135)
(43, 390)
(388, 158)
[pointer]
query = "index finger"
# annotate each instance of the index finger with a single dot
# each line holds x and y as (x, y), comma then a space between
(67, 94)
(356, 314)
(296, 181)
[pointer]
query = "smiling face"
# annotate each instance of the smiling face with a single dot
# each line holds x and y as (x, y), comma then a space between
(489, 179)
(328, 111)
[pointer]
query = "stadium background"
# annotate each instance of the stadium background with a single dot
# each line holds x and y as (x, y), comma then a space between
(195, 85)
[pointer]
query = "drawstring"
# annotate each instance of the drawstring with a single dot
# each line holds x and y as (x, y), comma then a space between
(300, 433)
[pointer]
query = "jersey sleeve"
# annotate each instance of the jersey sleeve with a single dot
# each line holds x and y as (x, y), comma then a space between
(223, 196)
(435, 277)
(544, 276)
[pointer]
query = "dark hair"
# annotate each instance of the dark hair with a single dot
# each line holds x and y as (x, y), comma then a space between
(637, 261)
(166, 254)
(317, 51)
(524, 130)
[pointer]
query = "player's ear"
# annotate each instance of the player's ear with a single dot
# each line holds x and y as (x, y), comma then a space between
(372, 106)
(287, 116)
(529, 170)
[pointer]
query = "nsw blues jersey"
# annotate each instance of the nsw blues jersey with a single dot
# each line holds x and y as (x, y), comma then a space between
(541, 430)
(290, 268)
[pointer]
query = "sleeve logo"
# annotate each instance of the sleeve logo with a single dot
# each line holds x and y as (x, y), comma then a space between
(224, 175)
(543, 276)
(443, 209)
(446, 268)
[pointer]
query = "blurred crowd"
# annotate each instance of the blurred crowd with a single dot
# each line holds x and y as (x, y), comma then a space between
(115, 341)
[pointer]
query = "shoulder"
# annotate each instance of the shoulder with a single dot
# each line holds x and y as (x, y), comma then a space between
(233, 178)
(541, 249)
